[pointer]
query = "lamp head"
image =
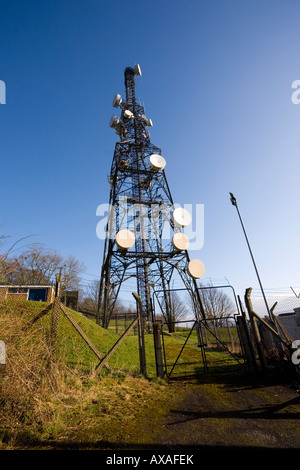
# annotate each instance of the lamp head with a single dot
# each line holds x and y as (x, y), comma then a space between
(232, 199)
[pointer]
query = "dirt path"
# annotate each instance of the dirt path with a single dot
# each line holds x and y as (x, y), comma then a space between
(232, 415)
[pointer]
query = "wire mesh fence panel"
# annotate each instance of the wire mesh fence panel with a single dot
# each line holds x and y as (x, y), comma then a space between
(118, 344)
(279, 303)
(82, 344)
(285, 307)
(182, 356)
(74, 349)
(199, 348)
(274, 327)
(217, 302)
(184, 350)
(150, 354)
(195, 338)
(120, 321)
(221, 335)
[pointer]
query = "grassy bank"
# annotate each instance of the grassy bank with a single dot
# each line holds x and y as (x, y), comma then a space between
(40, 404)
(69, 403)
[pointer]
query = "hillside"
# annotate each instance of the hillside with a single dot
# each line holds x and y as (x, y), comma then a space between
(71, 349)
(71, 406)
(38, 402)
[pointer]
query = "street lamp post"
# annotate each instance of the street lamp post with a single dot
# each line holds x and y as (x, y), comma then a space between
(234, 203)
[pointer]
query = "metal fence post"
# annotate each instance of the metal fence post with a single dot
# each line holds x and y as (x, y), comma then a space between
(55, 313)
(158, 349)
(141, 336)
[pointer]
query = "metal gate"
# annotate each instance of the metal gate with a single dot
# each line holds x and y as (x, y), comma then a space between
(192, 347)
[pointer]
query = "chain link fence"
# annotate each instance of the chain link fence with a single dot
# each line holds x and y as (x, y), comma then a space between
(275, 329)
(189, 347)
(284, 306)
(195, 343)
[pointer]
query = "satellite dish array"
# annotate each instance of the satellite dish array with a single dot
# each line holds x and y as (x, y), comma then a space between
(125, 239)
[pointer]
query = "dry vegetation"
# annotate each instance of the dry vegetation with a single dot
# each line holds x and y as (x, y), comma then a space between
(48, 403)
(63, 404)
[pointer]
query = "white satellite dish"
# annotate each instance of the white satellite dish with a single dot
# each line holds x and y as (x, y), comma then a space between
(114, 121)
(117, 100)
(137, 70)
(149, 123)
(196, 269)
(180, 241)
(182, 217)
(125, 239)
(157, 162)
(128, 114)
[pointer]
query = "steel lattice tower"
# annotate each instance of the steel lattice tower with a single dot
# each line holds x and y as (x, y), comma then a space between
(140, 201)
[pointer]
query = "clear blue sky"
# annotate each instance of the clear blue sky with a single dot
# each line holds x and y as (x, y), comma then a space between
(217, 84)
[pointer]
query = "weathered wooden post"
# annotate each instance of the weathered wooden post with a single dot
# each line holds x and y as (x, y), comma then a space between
(245, 339)
(255, 330)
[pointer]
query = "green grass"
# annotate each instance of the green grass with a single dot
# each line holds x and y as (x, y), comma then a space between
(67, 401)
(190, 359)
(222, 333)
(72, 349)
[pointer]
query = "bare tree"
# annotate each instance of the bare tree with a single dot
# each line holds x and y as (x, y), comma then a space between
(6, 268)
(8, 264)
(72, 268)
(91, 297)
(216, 303)
(90, 300)
(39, 265)
(174, 311)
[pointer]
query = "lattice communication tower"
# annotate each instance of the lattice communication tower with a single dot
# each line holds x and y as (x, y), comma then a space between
(144, 232)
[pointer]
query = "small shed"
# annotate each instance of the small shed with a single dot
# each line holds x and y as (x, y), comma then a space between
(36, 293)
(70, 299)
